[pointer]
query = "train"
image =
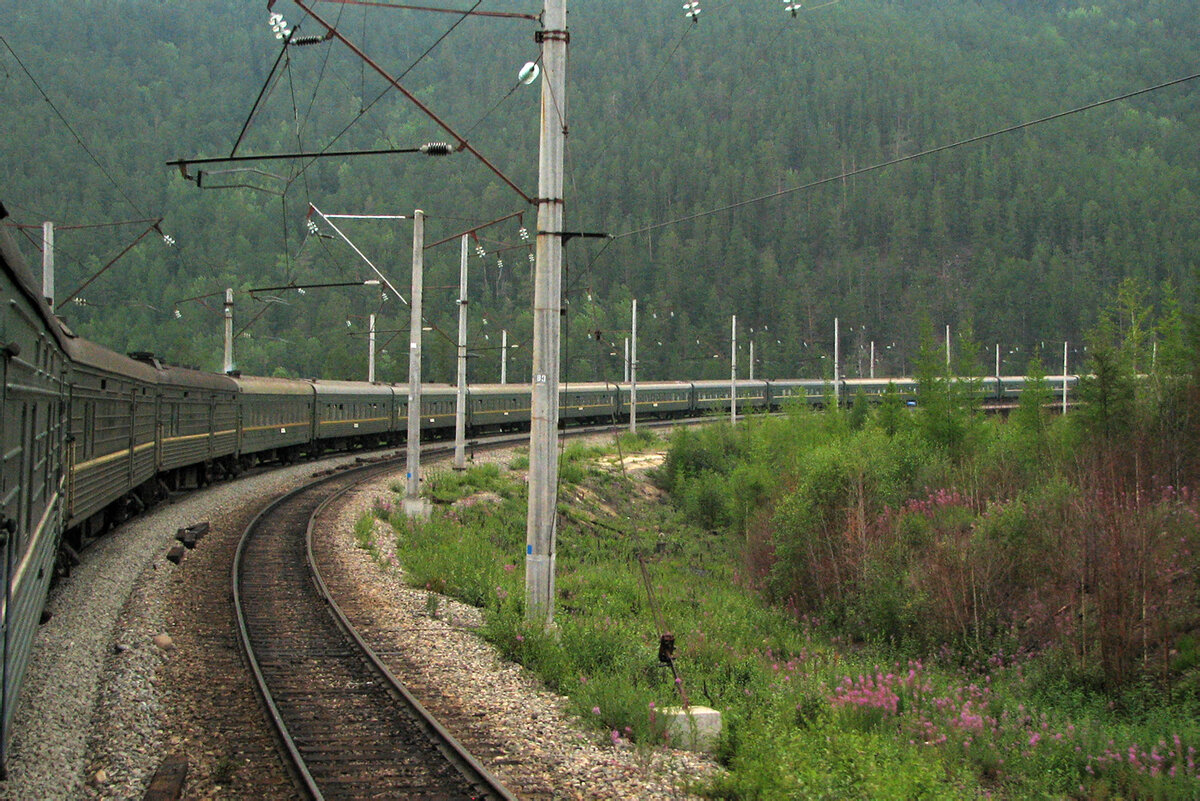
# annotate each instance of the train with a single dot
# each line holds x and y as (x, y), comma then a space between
(90, 437)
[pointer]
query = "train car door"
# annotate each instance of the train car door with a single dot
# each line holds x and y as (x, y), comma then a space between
(9, 489)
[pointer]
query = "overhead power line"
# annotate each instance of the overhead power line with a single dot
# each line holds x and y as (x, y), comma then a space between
(471, 12)
(911, 157)
(391, 83)
(462, 143)
(68, 126)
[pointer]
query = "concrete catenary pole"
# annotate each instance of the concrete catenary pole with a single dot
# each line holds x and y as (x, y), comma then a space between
(371, 350)
(1064, 384)
(460, 406)
(547, 305)
(412, 491)
(504, 356)
(626, 360)
(633, 369)
(733, 370)
(837, 360)
(48, 263)
(997, 361)
(752, 360)
(228, 330)
(947, 350)
(872, 358)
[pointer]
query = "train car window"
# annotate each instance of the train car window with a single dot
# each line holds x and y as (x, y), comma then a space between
(103, 383)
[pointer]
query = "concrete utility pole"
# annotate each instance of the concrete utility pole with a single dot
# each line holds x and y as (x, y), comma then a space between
(837, 356)
(1064, 388)
(413, 507)
(626, 360)
(48, 263)
(947, 350)
(460, 407)
(997, 360)
(752, 360)
(371, 350)
(228, 330)
(872, 358)
(733, 370)
(633, 371)
(547, 311)
(504, 356)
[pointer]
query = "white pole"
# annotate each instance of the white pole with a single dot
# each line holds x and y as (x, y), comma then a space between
(228, 330)
(947, 350)
(752, 360)
(837, 344)
(626, 360)
(1064, 387)
(733, 370)
(633, 371)
(504, 356)
(997, 360)
(872, 358)
(48, 263)
(412, 493)
(460, 406)
(371, 350)
(547, 321)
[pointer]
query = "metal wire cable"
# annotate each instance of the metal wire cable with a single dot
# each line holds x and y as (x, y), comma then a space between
(911, 157)
(389, 87)
(69, 127)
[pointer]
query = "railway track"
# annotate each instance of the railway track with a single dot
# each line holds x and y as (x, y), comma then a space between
(348, 728)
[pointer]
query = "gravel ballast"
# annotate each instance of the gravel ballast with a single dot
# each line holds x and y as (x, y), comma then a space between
(138, 661)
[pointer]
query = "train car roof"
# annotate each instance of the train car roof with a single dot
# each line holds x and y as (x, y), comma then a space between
(498, 389)
(900, 382)
(89, 353)
(186, 377)
(268, 385)
(796, 382)
(324, 387)
(14, 264)
(741, 382)
(658, 385)
(440, 390)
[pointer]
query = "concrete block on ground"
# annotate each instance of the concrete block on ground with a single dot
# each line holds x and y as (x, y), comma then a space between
(696, 728)
(419, 508)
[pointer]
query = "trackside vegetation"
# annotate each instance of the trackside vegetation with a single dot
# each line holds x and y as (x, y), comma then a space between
(883, 602)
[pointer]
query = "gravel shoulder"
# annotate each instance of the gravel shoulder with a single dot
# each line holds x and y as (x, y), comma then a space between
(519, 730)
(108, 697)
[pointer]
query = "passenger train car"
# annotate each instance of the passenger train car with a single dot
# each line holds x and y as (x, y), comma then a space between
(89, 437)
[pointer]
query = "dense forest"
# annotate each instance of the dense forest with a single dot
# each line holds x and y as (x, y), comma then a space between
(1019, 238)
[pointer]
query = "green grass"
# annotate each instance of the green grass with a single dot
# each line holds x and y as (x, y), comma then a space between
(808, 711)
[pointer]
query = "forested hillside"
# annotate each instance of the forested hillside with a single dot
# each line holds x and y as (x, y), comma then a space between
(1020, 237)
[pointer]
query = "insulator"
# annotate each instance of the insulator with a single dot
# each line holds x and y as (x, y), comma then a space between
(437, 149)
(301, 41)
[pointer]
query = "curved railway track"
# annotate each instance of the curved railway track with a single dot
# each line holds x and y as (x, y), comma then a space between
(349, 729)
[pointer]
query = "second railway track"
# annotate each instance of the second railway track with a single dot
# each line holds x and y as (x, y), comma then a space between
(350, 729)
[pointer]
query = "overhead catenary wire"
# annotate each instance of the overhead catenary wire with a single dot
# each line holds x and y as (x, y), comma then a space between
(462, 143)
(391, 85)
(62, 118)
(498, 103)
(268, 86)
(911, 157)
